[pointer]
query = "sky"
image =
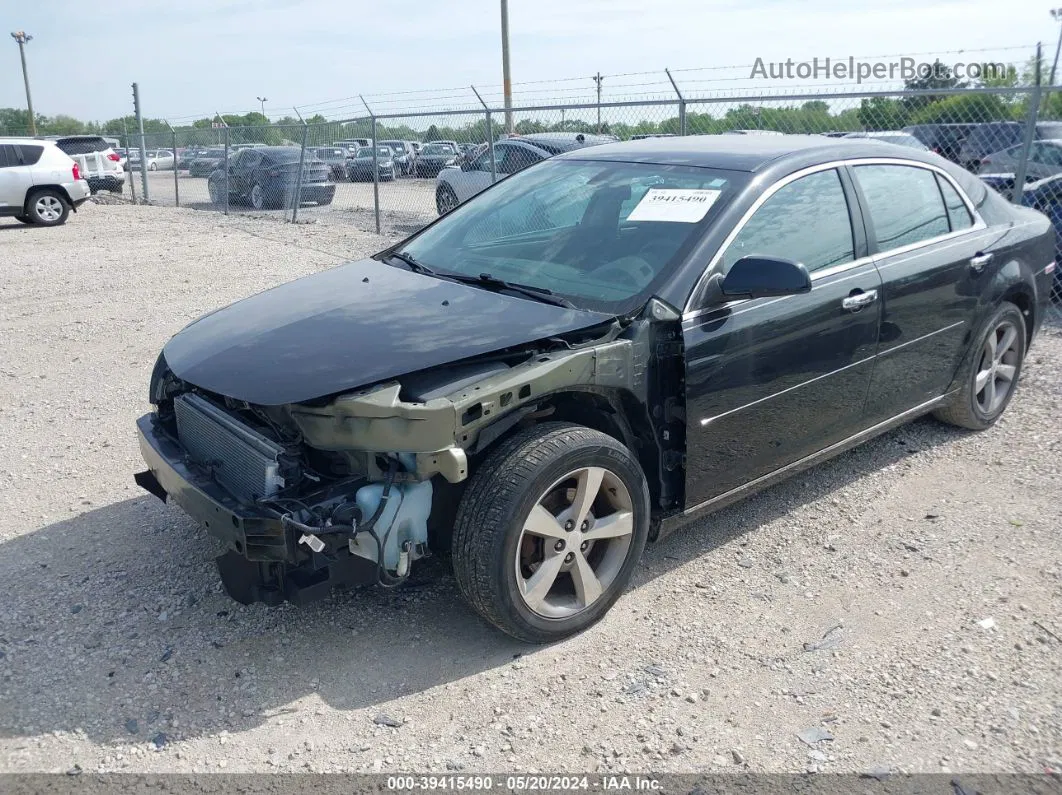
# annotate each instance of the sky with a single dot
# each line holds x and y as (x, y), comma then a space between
(194, 57)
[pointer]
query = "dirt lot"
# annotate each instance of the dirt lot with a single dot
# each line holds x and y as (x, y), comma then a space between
(405, 204)
(905, 599)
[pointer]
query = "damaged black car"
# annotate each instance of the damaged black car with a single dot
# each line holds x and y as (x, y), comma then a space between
(585, 356)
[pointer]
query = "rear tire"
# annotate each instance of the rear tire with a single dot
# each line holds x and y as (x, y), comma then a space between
(257, 196)
(520, 555)
(445, 199)
(47, 208)
(990, 375)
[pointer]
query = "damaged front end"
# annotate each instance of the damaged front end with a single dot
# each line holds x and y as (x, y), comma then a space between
(353, 489)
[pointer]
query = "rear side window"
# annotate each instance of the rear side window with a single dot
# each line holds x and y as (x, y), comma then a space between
(958, 215)
(806, 221)
(12, 155)
(905, 204)
(30, 153)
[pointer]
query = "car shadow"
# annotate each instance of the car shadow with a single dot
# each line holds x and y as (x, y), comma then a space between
(114, 622)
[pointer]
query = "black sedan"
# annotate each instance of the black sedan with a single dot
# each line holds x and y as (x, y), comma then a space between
(360, 167)
(433, 158)
(266, 177)
(206, 162)
(335, 157)
(587, 355)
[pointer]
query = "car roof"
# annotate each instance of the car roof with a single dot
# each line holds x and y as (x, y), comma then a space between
(744, 152)
(12, 139)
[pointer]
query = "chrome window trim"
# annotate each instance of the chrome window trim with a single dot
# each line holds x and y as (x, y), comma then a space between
(978, 222)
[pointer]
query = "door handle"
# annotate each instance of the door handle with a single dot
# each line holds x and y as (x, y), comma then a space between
(854, 303)
(978, 262)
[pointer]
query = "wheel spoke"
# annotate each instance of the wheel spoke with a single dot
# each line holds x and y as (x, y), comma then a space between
(1005, 372)
(589, 484)
(988, 354)
(990, 395)
(983, 378)
(537, 586)
(614, 525)
(541, 522)
(1009, 334)
(587, 585)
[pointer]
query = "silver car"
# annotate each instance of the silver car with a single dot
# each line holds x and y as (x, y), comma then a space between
(39, 183)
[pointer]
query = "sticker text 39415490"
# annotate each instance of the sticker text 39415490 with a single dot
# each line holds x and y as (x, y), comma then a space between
(684, 206)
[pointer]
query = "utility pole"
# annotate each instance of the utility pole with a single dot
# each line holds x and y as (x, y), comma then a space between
(22, 37)
(597, 79)
(507, 85)
(1056, 15)
(143, 144)
(263, 100)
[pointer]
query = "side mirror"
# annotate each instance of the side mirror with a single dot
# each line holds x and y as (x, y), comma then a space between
(762, 277)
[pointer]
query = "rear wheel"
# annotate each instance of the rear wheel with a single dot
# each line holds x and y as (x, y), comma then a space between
(153, 167)
(991, 375)
(47, 208)
(549, 531)
(217, 192)
(257, 196)
(445, 199)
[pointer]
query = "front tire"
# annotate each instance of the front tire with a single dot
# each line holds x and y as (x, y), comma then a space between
(549, 531)
(153, 167)
(257, 196)
(990, 375)
(47, 208)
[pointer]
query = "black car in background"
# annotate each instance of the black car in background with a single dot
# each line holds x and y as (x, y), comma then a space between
(266, 178)
(587, 355)
(360, 166)
(335, 157)
(944, 139)
(433, 158)
(206, 162)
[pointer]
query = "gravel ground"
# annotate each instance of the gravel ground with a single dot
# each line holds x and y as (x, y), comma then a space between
(899, 607)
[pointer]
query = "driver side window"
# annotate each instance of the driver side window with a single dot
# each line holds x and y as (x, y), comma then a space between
(806, 221)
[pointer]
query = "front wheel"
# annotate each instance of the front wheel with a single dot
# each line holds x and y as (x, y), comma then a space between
(549, 531)
(217, 194)
(991, 373)
(257, 196)
(153, 167)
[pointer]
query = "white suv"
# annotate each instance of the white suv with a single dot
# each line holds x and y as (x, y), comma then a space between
(99, 163)
(39, 183)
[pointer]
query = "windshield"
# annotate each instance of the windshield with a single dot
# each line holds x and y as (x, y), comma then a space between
(597, 233)
(437, 149)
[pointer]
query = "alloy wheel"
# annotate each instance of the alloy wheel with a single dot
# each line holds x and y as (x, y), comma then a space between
(257, 197)
(49, 208)
(574, 542)
(1000, 357)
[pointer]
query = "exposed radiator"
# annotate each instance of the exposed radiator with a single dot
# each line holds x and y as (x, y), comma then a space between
(242, 460)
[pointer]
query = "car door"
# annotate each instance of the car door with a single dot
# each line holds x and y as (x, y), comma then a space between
(770, 381)
(15, 180)
(245, 170)
(927, 245)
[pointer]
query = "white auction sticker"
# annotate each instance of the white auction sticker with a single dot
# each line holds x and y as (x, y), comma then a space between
(684, 206)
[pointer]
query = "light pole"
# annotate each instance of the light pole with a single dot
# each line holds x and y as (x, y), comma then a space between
(597, 79)
(1056, 15)
(22, 37)
(507, 86)
(263, 100)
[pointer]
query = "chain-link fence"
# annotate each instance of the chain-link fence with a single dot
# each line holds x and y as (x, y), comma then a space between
(395, 172)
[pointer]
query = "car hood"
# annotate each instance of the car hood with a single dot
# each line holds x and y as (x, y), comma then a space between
(352, 326)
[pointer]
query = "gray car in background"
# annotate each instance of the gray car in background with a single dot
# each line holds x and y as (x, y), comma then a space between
(404, 155)
(335, 157)
(1045, 160)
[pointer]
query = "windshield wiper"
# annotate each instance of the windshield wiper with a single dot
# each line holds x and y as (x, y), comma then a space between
(540, 294)
(412, 263)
